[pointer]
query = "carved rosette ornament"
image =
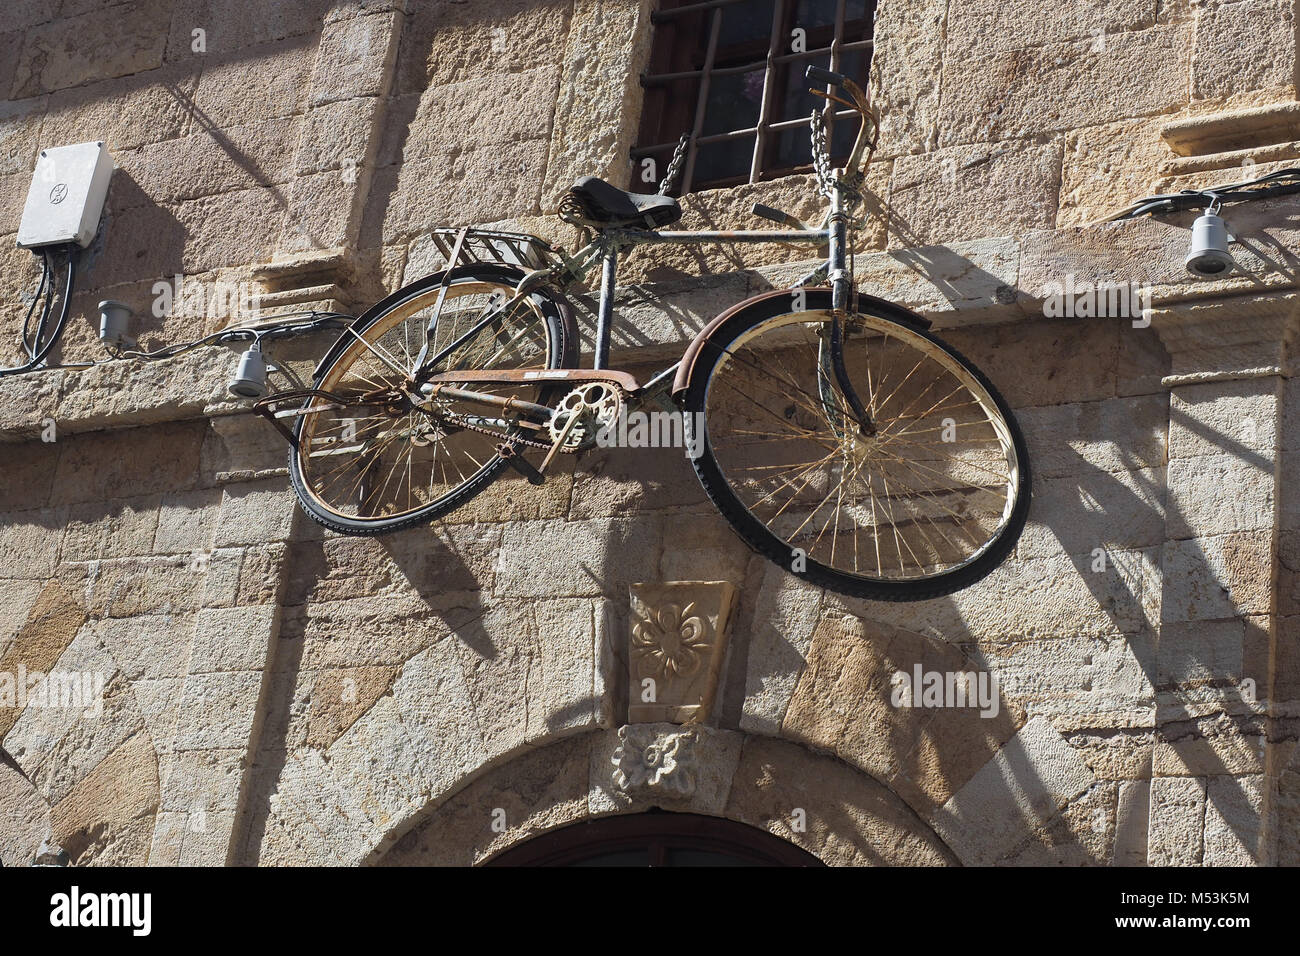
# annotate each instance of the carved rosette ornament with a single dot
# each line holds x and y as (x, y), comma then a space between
(653, 762)
(677, 640)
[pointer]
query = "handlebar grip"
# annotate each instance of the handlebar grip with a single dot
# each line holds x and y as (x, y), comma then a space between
(768, 212)
(815, 74)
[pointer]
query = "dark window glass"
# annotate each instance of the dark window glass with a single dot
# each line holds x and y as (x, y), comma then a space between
(730, 74)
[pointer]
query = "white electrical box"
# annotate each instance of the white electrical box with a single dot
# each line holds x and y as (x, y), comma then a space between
(67, 196)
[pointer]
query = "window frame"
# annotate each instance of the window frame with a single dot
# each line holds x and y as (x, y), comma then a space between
(662, 113)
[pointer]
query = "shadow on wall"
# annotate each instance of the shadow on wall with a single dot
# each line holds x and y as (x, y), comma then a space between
(1065, 640)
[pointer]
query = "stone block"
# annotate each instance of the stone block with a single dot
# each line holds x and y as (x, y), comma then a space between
(202, 782)
(216, 710)
(1108, 167)
(969, 192)
(29, 540)
(339, 696)
(275, 76)
(354, 57)
(529, 670)
(229, 29)
(338, 135)
(96, 46)
(1020, 789)
(27, 819)
(1065, 85)
(452, 43)
(1116, 511)
(376, 760)
(1216, 578)
(437, 709)
(601, 556)
(1080, 439)
(594, 124)
(148, 646)
(100, 809)
(1175, 834)
(905, 83)
(1219, 494)
(1237, 48)
(232, 228)
(1236, 418)
(186, 522)
(451, 118)
(847, 817)
(124, 463)
(986, 26)
(1233, 812)
(125, 113)
(539, 791)
(255, 512)
(210, 161)
(232, 639)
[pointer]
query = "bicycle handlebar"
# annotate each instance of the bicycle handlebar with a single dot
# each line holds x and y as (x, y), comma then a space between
(815, 74)
(857, 99)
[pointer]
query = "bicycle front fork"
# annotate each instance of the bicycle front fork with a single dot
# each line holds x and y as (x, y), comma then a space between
(830, 354)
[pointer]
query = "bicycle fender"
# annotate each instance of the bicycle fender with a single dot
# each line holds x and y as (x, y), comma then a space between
(778, 302)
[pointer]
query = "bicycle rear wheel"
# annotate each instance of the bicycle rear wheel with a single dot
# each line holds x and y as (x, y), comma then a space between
(379, 454)
(928, 505)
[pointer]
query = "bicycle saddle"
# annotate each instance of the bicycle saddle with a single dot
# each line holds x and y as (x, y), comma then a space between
(611, 206)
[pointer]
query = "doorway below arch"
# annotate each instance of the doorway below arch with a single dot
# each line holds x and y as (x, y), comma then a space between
(656, 838)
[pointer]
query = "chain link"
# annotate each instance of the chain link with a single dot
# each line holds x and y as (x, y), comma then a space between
(827, 181)
(674, 165)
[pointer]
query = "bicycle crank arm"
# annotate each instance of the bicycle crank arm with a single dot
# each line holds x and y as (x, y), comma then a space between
(520, 464)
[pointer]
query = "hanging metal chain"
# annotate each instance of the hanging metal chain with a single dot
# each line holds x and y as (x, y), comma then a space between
(826, 178)
(674, 165)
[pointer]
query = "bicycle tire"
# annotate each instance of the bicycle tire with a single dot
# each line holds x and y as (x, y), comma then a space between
(563, 337)
(763, 541)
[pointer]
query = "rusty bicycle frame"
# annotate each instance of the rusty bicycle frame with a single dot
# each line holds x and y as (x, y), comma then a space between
(422, 383)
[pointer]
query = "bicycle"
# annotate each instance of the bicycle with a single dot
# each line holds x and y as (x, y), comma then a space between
(837, 435)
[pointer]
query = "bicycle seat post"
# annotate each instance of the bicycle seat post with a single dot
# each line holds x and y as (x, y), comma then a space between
(605, 315)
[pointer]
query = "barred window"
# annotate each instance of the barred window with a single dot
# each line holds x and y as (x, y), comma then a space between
(730, 73)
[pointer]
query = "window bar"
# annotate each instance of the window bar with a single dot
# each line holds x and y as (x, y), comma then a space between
(688, 175)
(733, 134)
(649, 79)
(660, 15)
(769, 82)
(837, 39)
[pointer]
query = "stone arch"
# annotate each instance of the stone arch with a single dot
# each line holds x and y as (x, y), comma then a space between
(812, 800)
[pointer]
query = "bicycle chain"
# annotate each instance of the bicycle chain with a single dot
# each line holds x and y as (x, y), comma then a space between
(537, 443)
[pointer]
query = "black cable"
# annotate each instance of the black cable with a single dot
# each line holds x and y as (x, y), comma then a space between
(64, 312)
(40, 294)
(42, 327)
(1287, 183)
(35, 350)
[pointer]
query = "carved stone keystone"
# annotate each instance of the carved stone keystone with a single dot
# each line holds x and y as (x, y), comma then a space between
(677, 642)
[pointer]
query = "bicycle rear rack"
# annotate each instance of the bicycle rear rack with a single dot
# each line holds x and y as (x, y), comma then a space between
(494, 247)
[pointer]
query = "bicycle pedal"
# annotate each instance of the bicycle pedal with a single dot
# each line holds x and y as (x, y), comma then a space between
(520, 464)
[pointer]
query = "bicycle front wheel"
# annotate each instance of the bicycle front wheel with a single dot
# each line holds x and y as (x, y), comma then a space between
(927, 505)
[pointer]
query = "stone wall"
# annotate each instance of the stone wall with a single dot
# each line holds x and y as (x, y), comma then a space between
(277, 694)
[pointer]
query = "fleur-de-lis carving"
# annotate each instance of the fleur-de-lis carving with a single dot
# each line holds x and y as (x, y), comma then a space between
(671, 642)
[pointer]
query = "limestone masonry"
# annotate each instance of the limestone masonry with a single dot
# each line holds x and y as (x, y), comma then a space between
(270, 693)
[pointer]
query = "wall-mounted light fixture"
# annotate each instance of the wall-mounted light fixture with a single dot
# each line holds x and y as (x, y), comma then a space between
(1209, 256)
